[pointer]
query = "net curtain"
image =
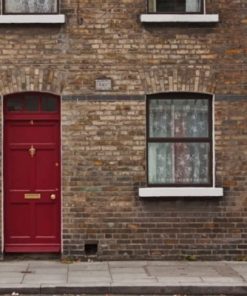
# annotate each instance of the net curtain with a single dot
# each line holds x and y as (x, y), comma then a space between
(193, 5)
(190, 5)
(178, 162)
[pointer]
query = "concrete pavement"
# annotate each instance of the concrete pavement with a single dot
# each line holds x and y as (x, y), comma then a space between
(124, 277)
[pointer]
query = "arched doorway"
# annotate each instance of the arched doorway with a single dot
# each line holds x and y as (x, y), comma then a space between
(32, 196)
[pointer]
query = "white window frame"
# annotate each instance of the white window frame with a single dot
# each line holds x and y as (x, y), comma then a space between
(161, 192)
(31, 18)
(180, 18)
(154, 5)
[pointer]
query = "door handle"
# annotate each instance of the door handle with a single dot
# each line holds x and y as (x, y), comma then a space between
(53, 196)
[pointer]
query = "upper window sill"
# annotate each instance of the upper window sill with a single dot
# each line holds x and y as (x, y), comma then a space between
(32, 19)
(180, 192)
(179, 18)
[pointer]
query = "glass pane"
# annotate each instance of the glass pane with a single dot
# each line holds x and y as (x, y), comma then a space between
(178, 163)
(30, 6)
(193, 5)
(14, 104)
(178, 118)
(168, 6)
(49, 104)
(160, 163)
(151, 5)
(31, 103)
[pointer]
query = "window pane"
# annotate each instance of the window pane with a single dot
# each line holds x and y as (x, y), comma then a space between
(177, 6)
(152, 5)
(170, 6)
(164, 6)
(31, 103)
(178, 118)
(193, 5)
(30, 6)
(14, 104)
(178, 163)
(49, 104)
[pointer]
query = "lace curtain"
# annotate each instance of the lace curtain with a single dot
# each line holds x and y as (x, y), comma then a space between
(193, 5)
(174, 161)
(30, 6)
(167, 5)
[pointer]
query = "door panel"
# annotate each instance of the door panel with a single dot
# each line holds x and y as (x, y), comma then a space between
(46, 225)
(46, 169)
(20, 173)
(32, 179)
(20, 227)
(26, 131)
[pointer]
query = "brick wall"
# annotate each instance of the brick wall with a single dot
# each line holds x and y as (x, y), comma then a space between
(103, 133)
(103, 163)
(103, 166)
(107, 39)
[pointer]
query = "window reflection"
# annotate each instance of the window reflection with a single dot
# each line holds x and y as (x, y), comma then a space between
(49, 104)
(32, 103)
(15, 104)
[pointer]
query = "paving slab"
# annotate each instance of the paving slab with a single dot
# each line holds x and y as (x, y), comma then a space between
(48, 272)
(89, 273)
(10, 281)
(181, 271)
(121, 277)
(90, 281)
(135, 282)
(13, 267)
(46, 264)
(176, 279)
(11, 274)
(128, 270)
(223, 280)
(89, 276)
(44, 278)
(125, 264)
(88, 266)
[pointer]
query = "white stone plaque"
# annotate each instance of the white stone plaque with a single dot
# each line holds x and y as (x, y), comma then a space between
(103, 84)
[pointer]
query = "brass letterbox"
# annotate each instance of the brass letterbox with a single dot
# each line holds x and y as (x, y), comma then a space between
(32, 195)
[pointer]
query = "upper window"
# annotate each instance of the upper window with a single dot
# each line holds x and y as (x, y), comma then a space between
(30, 6)
(179, 139)
(175, 6)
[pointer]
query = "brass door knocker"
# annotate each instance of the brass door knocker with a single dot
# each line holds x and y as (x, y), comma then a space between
(32, 151)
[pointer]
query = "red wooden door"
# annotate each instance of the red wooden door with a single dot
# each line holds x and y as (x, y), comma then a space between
(32, 176)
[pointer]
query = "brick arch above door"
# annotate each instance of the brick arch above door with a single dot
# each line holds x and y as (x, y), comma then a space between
(179, 78)
(26, 78)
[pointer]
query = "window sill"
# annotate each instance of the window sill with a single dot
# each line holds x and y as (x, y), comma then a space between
(32, 19)
(180, 192)
(179, 18)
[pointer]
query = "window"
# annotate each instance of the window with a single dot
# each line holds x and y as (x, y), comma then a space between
(179, 139)
(178, 11)
(175, 6)
(31, 102)
(31, 12)
(30, 6)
